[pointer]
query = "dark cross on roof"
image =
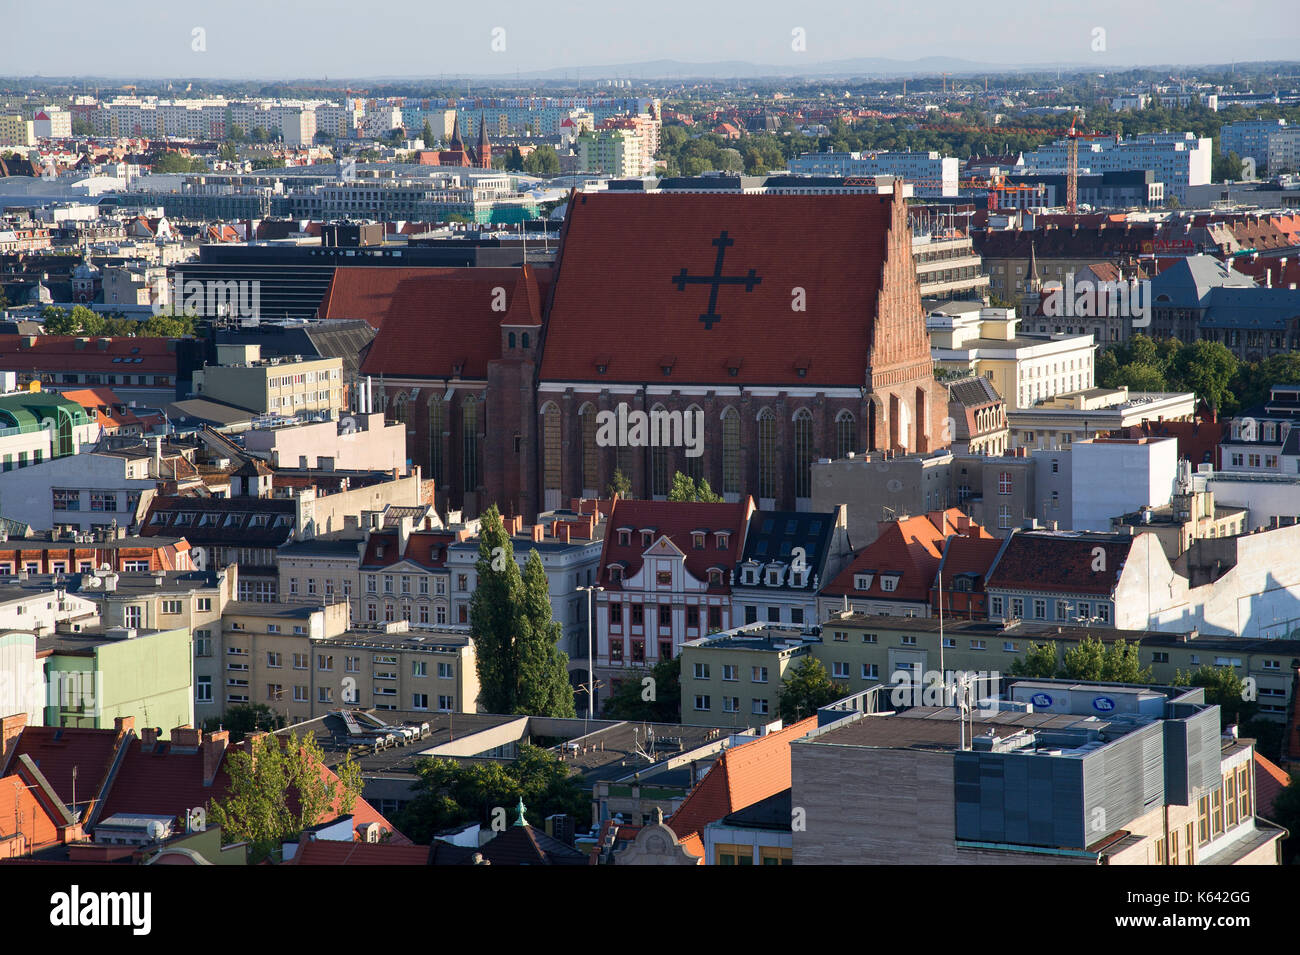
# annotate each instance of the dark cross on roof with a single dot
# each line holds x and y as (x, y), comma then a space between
(716, 280)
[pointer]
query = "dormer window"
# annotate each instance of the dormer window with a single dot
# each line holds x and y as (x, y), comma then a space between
(863, 581)
(751, 575)
(889, 583)
(602, 364)
(666, 364)
(733, 366)
(774, 576)
(715, 577)
(615, 573)
(797, 578)
(722, 540)
(697, 540)
(624, 537)
(647, 538)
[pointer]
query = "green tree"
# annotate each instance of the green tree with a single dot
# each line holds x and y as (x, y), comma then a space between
(1139, 376)
(244, 718)
(448, 794)
(542, 162)
(1206, 368)
(175, 162)
(514, 161)
(277, 790)
(426, 133)
(58, 321)
(1117, 662)
(521, 669)
(4, 299)
(492, 615)
(1038, 662)
(1222, 687)
(685, 489)
(228, 152)
(543, 677)
(657, 702)
(620, 485)
(805, 688)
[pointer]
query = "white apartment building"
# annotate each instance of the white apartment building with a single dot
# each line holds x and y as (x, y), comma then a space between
(932, 175)
(1178, 160)
(1139, 472)
(1024, 369)
(52, 123)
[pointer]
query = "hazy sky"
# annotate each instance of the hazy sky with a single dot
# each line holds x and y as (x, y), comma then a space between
(342, 38)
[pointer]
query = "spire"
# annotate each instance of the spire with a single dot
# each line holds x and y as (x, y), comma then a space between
(455, 142)
(484, 151)
(521, 821)
(1032, 281)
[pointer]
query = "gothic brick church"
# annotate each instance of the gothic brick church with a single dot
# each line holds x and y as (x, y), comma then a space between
(791, 324)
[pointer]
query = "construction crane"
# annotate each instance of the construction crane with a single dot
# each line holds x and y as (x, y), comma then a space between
(1072, 137)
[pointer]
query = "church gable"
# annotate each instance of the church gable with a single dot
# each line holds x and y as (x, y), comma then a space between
(768, 290)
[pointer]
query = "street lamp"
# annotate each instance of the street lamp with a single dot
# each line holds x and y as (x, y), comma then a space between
(591, 670)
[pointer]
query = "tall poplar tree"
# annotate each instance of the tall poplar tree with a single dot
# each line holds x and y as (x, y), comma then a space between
(520, 667)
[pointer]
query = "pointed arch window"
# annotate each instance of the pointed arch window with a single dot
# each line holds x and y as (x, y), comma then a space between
(766, 453)
(731, 451)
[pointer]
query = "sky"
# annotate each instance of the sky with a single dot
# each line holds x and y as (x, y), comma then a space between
(276, 39)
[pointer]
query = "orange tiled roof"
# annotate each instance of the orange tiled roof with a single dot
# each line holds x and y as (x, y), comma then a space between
(1270, 780)
(742, 776)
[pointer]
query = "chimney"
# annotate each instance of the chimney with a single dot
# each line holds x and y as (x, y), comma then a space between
(11, 727)
(214, 748)
(539, 532)
(149, 738)
(124, 724)
(187, 736)
(564, 531)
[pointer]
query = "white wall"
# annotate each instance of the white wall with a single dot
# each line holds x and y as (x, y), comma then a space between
(1111, 478)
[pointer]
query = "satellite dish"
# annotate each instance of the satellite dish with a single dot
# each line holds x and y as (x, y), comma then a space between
(93, 582)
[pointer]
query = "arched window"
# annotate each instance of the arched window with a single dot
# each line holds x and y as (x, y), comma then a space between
(512, 341)
(693, 425)
(846, 434)
(469, 435)
(731, 451)
(803, 453)
(659, 479)
(590, 458)
(551, 447)
(766, 453)
(400, 412)
(525, 339)
(436, 427)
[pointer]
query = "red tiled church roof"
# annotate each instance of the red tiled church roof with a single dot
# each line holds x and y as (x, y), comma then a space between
(439, 318)
(619, 282)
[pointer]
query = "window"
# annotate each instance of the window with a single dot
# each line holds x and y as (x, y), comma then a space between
(445, 671)
(203, 689)
(870, 671)
(419, 701)
(300, 661)
(729, 672)
(803, 453)
(131, 615)
(908, 640)
(419, 668)
(171, 606)
(701, 671)
(66, 500)
(324, 661)
(325, 694)
(1004, 482)
(758, 675)
(203, 604)
(1040, 608)
(840, 670)
(202, 643)
(758, 707)
(446, 703)
(731, 704)
(300, 694)
(273, 659)
(869, 638)
(767, 453)
(103, 500)
(702, 702)
(731, 451)
(734, 855)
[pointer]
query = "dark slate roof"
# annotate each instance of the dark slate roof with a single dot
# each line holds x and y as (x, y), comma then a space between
(1189, 281)
(773, 536)
(518, 845)
(973, 392)
(1251, 308)
(770, 813)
